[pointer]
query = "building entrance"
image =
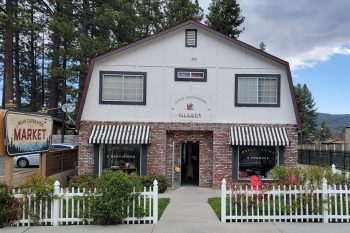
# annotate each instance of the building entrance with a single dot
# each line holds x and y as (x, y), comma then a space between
(190, 163)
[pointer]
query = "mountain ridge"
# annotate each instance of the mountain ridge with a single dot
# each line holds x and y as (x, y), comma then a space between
(335, 121)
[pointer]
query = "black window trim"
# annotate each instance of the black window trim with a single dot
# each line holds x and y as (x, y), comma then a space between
(144, 74)
(204, 79)
(278, 76)
(186, 44)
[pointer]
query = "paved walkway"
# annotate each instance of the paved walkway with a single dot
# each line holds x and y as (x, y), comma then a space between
(188, 204)
(188, 212)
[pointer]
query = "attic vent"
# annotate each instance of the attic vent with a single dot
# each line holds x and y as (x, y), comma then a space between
(191, 38)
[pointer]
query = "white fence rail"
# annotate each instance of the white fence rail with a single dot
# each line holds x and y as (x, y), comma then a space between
(285, 204)
(69, 207)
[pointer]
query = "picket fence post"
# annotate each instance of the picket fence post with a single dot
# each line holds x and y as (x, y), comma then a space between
(325, 200)
(56, 204)
(155, 201)
(223, 201)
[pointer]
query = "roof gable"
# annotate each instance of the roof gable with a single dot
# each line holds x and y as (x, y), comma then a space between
(177, 27)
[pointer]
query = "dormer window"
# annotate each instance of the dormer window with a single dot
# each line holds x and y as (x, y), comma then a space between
(191, 38)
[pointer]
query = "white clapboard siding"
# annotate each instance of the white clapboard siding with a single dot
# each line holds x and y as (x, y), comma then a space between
(285, 204)
(69, 207)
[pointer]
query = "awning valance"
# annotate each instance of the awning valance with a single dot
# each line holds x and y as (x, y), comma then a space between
(258, 136)
(120, 134)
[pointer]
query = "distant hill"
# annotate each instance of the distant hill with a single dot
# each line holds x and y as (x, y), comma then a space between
(335, 121)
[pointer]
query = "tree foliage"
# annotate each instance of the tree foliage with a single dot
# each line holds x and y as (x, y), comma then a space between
(325, 132)
(307, 110)
(177, 11)
(225, 16)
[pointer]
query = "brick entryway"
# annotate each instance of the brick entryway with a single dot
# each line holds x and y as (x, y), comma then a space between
(205, 140)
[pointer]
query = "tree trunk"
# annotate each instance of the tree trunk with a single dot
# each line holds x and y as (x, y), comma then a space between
(64, 93)
(85, 33)
(43, 73)
(33, 85)
(54, 77)
(8, 47)
(18, 91)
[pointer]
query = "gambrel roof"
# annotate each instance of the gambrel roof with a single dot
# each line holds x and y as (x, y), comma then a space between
(177, 27)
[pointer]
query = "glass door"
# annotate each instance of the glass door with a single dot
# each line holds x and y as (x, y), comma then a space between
(176, 165)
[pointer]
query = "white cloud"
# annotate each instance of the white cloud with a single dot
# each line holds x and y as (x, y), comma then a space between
(303, 32)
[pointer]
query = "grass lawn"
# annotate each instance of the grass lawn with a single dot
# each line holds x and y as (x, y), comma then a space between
(215, 204)
(162, 204)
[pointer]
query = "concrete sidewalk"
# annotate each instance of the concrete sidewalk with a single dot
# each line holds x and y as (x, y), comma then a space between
(189, 212)
(191, 228)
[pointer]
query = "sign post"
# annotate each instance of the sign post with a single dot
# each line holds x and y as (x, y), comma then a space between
(9, 170)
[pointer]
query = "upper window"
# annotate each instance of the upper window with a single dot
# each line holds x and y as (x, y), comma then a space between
(191, 38)
(195, 75)
(257, 90)
(122, 87)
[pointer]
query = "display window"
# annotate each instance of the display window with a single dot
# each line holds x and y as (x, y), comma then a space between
(125, 158)
(256, 160)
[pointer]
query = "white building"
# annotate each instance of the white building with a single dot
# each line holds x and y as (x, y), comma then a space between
(188, 98)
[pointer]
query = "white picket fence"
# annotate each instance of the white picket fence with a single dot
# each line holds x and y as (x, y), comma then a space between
(285, 204)
(67, 208)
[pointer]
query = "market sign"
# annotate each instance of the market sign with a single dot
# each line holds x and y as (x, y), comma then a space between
(27, 133)
(190, 107)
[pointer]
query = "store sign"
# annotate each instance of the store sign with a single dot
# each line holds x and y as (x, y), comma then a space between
(190, 107)
(27, 133)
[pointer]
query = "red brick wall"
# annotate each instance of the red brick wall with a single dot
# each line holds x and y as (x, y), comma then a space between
(215, 151)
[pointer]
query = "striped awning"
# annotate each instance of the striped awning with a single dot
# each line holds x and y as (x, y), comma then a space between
(120, 134)
(259, 136)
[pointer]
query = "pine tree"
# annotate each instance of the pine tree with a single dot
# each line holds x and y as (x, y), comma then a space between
(7, 20)
(100, 26)
(150, 16)
(307, 111)
(177, 11)
(225, 17)
(325, 131)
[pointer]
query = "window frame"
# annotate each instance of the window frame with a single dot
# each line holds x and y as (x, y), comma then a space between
(235, 163)
(139, 161)
(277, 76)
(177, 70)
(186, 44)
(118, 102)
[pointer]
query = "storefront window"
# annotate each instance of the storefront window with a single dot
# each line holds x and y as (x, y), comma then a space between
(256, 161)
(122, 157)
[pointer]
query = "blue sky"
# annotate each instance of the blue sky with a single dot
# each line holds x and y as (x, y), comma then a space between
(313, 36)
(329, 82)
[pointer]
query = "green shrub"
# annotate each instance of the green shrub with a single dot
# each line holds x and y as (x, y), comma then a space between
(278, 173)
(114, 194)
(136, 181)
(9, 206)
(148, 180)
(41, 186)
(311, 175)
(35, 190)
(87, 181)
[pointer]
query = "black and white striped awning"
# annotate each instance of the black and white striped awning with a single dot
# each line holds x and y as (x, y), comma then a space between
(120, 134)
(258, 136)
